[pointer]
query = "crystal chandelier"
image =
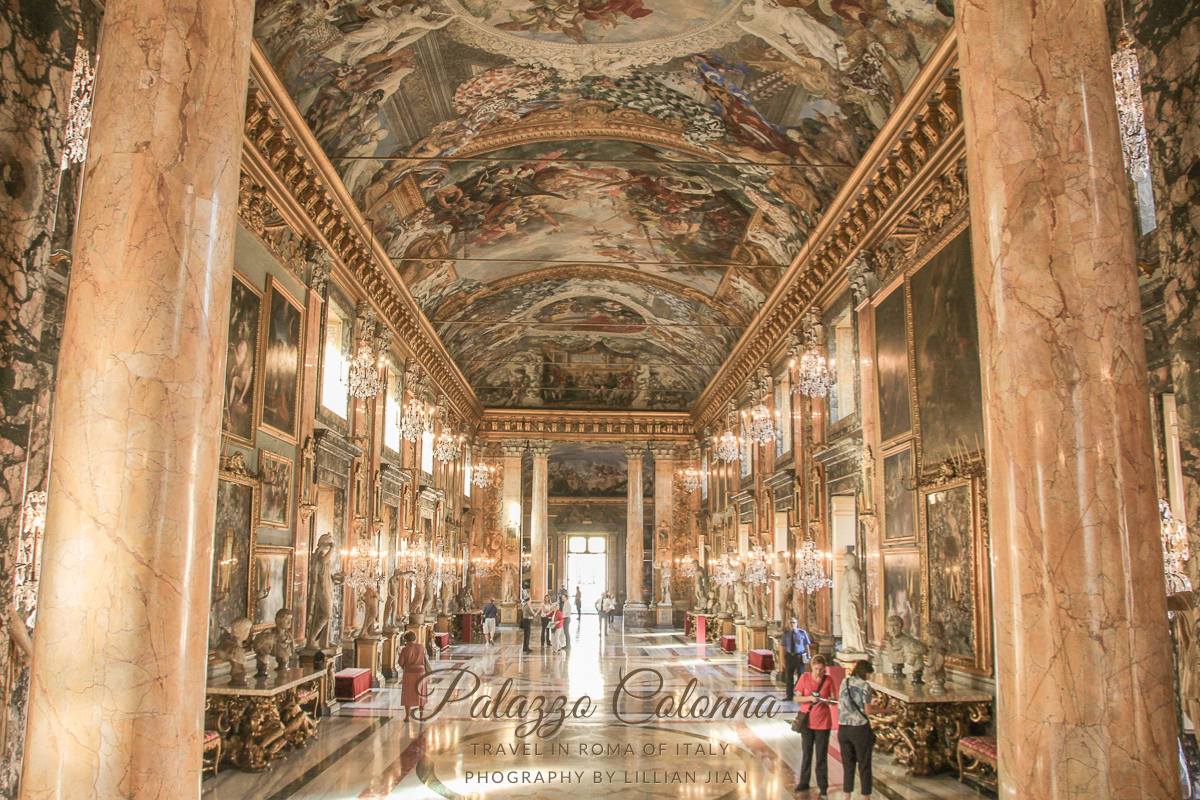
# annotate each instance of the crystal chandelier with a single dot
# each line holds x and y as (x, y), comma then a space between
(484, 566)
(761, 428)
(416, 562)
(365, 381)
(813, 377)
(482, 475)
(686, 566)
(810, 569)
(1175, 550)
(449, 443)
(758, 568)
(445, 568)
(414, 419)
(363, 566)
(725, 570)
(689, 478)
(728, 446)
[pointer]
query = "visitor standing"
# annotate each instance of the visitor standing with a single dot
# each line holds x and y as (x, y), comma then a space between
(817, 694)
(609, 608)
(856, 740)
(795, 645)
(560, 639)
(527, 616)
(415, 663)
(546, 612)
(578, 601)
(491, 617)
(566, 623)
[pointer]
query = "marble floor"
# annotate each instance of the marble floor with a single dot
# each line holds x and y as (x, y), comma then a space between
(367, 750)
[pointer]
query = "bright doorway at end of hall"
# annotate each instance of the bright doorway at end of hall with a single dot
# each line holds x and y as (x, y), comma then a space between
(587, 568)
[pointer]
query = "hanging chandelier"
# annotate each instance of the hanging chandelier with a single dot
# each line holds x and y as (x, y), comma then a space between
(365, 381)
(689, 478)
(363, 566)
(813, 377)
(810, 569)
(449, 443)
(445, 568)
(686, 567)
(761, 428)
(758, 567)
(484, 566)
(482, 475)
(416, 562)
(725, 570)
(1175, 550)
(414, 420)
(728, 446)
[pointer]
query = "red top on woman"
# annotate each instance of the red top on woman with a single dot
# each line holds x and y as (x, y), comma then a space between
(558, 618)
(819, 716)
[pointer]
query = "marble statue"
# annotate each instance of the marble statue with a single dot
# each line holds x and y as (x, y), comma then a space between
(903, 648)
(370, 603)
(850, 606)
(391, 606)
(323, 580)
(417, 603)
(664, 582)
(937, 646)
(232, 649)
(700, 589)
(276, 642)
(509, 592)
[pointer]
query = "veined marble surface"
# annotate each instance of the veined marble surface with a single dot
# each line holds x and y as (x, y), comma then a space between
(368, 751)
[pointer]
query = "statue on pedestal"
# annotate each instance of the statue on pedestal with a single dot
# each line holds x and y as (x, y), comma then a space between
(370, 603)
(277, 642)
(903, 648)
(509, 592)
(232, 649)
(664, 581)
(850, 606)
(323, 580)
(391, 606)
(938, 646)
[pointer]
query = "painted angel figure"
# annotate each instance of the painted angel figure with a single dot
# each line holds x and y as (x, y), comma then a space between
(397, 29)
(792, 32)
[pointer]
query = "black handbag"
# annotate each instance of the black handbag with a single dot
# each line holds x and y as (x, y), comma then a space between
(800, 723)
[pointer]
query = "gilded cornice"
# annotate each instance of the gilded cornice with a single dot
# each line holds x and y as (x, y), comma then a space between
(587, 426)
(921, 142)
(280, 152)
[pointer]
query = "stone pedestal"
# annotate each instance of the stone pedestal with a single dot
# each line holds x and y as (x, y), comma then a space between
(509, 614)
(389, 652)
(1085, 695)
(367, 651)
(443, 623)
(665, 615)
(116, 704)
(636, 615)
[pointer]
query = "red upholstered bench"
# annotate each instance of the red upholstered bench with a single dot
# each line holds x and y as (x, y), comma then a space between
(729, 643)
(762, 660)
(351, 684)
(441, 640)
(977, 758)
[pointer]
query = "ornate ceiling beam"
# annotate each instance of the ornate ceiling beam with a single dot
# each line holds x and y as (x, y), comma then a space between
(587, 426)
(922, 136)
(284, 154)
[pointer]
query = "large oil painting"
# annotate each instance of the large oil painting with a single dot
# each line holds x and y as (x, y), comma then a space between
(891, 367)
(245, 303)
(281, 362)
(233, 534)
(276, 474)
(591, 471)
(655, 148)
(902, 589)
(946, 346)
(951, 544)
(270, 583)
(899, 505)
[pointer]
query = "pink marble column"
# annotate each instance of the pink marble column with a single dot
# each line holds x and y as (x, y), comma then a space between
(635, 612)
(664, 506)
(1084, 676)
(511, 453)
(119, 666)
(539, 512)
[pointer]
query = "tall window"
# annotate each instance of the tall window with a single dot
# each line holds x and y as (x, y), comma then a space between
(427, 452)
(392, 408)
(840, 344)
(335, 380)
(467, 470)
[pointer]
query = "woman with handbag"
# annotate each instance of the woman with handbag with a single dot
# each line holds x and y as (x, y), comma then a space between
(414, 661)
(856, 740)
(815, 692)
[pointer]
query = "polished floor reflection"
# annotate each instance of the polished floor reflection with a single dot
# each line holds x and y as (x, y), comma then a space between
(367, 750)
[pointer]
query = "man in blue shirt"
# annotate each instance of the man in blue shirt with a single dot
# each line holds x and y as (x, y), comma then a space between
(491, 616)
(795, 651)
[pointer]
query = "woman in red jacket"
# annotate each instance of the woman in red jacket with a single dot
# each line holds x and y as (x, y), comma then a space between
(815, 693)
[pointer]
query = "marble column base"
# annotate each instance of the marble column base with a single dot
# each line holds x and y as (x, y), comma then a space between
(636, 615)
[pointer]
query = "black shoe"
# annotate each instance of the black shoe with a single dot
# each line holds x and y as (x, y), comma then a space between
(800, 788)
(526, 651)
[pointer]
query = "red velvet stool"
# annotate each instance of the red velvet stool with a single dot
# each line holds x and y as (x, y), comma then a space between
(441, 640)
(351, 684)
(762, 660)
(729, 643)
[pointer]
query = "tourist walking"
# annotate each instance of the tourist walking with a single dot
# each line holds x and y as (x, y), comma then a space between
(415, 663)
(795, 645)
(560, 639)
(816, 694)
(856, 740)
(609, 608)
(527, 616)
(578, 601)
(491, 617)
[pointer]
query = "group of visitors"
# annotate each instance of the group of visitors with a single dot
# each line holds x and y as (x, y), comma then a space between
(553, 618)
(605, 607)
(818, 692)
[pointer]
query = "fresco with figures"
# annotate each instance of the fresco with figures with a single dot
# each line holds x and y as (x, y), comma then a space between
(655, 147)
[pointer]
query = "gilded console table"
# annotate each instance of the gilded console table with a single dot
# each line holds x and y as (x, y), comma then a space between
(257, 721)
(921, 730)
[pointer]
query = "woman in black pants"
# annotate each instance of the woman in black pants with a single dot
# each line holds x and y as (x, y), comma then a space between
(855, 737)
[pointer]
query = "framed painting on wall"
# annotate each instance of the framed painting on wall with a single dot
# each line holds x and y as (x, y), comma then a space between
(233, 535)
(282, 326)
(275, 472)
(270, 584)
(899, 506)
(902, 589)
(891, 367)
(950, 541)
(241, 358)
(946, 354)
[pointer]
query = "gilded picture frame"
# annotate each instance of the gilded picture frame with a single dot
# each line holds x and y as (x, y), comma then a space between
(240, 404)
(269, 587)
(277, 474)
(281, 347)
(234, 526)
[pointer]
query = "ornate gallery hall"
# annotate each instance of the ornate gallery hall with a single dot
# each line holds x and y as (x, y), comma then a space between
(600, 398)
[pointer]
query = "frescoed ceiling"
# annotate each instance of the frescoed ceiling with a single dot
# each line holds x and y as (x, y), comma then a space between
(590, 199)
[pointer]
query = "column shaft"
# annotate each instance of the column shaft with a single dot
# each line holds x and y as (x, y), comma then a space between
(539, 518)
(1084, 684)
(510, 512)
(635, 606)
(664, 506)
(119, 667)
